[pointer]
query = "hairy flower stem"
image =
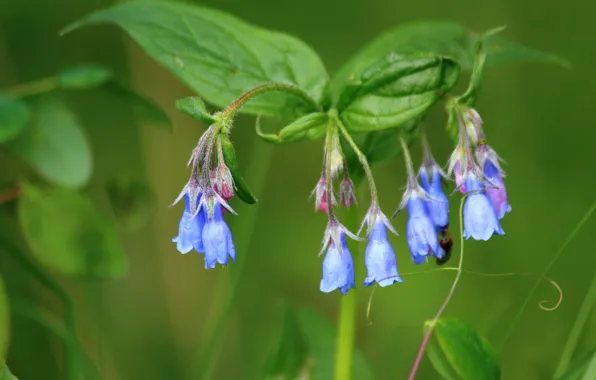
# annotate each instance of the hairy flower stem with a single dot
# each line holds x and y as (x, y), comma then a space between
(431, 325)
(363, 161)
(229, 113)
(346, 321)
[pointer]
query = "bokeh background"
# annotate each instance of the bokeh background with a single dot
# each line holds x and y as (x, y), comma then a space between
(149, 324)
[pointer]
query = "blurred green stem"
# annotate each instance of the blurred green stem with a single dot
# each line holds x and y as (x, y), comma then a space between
(544, 272)
(72, 366)
(33, 88)
(344, 351)
(260, 160)
(582, 317)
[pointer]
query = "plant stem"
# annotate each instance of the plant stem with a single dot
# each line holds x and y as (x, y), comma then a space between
(71, 359)
(431, 325)
(544, 272)
(347, 320)
(363, 161)
(233, 108)
(33, 88)
(258, 168)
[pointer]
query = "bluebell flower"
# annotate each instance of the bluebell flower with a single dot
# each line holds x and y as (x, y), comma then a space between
(190, 228)
(420, 230)
(438, 204)
(338, 268)
(495, 187)
(480, 219)
(217, 237)
(381, 265)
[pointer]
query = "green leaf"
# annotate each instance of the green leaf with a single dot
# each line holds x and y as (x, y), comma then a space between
(378, 146)
(4, 321)
(143, 109)
(55, 145)
(220, 56)
(457, 351)
(297, 130)
(132, 202)
(14, 116)
(579, 367)
(443, 38)
(321, 339)
(290, 358)
(68, 234)
(395, 90)
(195, 108)
(84, 77)
(229, 154)
(5, 374)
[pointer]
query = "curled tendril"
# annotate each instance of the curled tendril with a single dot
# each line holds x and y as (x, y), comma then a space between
(541, 304)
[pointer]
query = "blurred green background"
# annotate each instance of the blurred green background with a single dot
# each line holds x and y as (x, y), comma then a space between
(148, 325)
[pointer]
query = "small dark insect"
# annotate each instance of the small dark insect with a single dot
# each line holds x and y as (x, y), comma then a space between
(446, 243)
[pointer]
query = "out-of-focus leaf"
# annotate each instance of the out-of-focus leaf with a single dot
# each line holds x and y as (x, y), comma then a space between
(144, 109)
(14, 116)
(395, 90)
(290, 359)
(457, 351)
(132, 203)
(443, 38)
(220, 56)
(68, 234)
(55, 145)
(5, 373)
(84, 77)
(229, 154)
(321, 339)
(578, 370)
(195, 108)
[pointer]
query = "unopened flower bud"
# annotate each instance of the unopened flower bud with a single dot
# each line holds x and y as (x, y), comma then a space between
(346, 191)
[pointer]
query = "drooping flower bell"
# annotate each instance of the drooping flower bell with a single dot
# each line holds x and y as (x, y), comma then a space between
(338, 267)
(420, 228)
(495, 187)
(379, 257)
(430, 176)
(217, 237)
(480, 219)
(190, 230)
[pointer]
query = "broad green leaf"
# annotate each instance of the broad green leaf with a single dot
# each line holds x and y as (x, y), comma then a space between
(220, 56)
(377, 146)
(443, 38)
(290, 358)
(297, 130)
(579, 367)
(14, 116)
(67, 233)
(321, 340)
(132, 202)
(5, 374)
(55, 145)
(84, 77)
(229, 154)
(195, 108)
(459, 352)
(4, 321)
(395, 90)
(144, 109)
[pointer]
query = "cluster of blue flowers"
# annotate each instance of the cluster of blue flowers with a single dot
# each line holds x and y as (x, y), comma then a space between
(478, 175)
(206, 196)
